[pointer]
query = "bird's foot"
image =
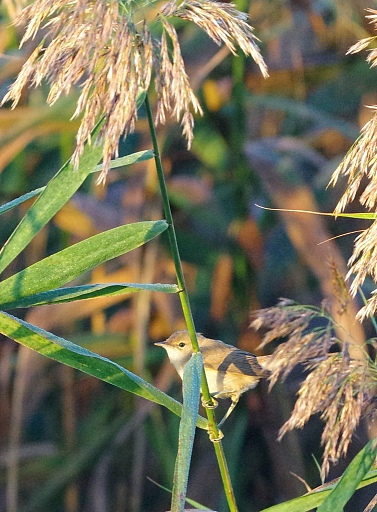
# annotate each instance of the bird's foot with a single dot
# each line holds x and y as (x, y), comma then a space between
(215, 437)
(209, 404)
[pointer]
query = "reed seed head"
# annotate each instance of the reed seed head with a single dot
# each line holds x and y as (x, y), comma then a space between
(340, 389)
(107, 49)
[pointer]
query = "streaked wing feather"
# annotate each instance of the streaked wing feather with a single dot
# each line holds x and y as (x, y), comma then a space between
(248, 364)
(235, 361)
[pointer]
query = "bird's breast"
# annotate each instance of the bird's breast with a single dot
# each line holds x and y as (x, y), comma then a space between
(225, 384)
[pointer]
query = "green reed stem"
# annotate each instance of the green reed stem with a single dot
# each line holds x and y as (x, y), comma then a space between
(213, 429)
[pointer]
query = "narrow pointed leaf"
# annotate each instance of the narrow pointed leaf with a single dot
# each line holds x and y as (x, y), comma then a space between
(191, 390)
(140, 156)
(57, 192)
(66, 352)
(313, 499)
(19, 200)
(64, 266)
(350, 479)
(89, 291)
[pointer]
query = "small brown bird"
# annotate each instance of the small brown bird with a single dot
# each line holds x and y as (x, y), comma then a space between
(229, 371)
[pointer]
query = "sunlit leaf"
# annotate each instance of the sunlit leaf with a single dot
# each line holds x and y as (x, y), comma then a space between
(90, 291)
(365, 216)
(134, 158)
(314, 498)
(140, 156)
(64, 266)
(57, 192)
(64, 351)
(350, 479)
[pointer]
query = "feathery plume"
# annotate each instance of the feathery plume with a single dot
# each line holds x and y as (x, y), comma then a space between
(103, 47)
(359, 163)
(340, 389)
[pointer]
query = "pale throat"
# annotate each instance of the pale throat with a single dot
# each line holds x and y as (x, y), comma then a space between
(177, 359)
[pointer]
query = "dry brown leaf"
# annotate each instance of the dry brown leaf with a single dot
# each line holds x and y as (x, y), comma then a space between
(221, 289)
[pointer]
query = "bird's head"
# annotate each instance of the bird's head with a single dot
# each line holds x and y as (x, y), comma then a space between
(179, 349)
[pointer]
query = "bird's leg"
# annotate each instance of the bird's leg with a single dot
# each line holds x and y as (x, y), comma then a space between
(234, 399)
(212, 405)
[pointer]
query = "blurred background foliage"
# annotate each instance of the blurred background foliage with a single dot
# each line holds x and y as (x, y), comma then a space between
(82, 445)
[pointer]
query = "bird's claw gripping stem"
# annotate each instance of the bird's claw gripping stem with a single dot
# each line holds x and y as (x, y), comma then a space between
(209, 404)
(215, 437)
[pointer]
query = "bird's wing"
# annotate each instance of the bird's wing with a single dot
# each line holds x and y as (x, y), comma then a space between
(248, 364)
(235, 361)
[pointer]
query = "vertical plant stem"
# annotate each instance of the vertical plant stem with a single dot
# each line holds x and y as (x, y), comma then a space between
(214, 432)
(171, 233)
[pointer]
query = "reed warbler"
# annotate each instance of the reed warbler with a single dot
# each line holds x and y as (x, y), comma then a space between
(229, 370)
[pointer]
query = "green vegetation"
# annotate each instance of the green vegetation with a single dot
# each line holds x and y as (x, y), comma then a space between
(106, 253)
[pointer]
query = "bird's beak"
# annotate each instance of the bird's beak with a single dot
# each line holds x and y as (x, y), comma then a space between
(160, 343)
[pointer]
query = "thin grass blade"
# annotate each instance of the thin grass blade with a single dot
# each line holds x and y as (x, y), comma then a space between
(19, 200)
(123, 161)
(194, 503)
(89, 291)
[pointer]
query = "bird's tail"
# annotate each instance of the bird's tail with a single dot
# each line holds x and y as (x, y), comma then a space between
(264, 363)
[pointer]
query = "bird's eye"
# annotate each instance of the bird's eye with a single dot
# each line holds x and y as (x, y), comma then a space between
(182, 344)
